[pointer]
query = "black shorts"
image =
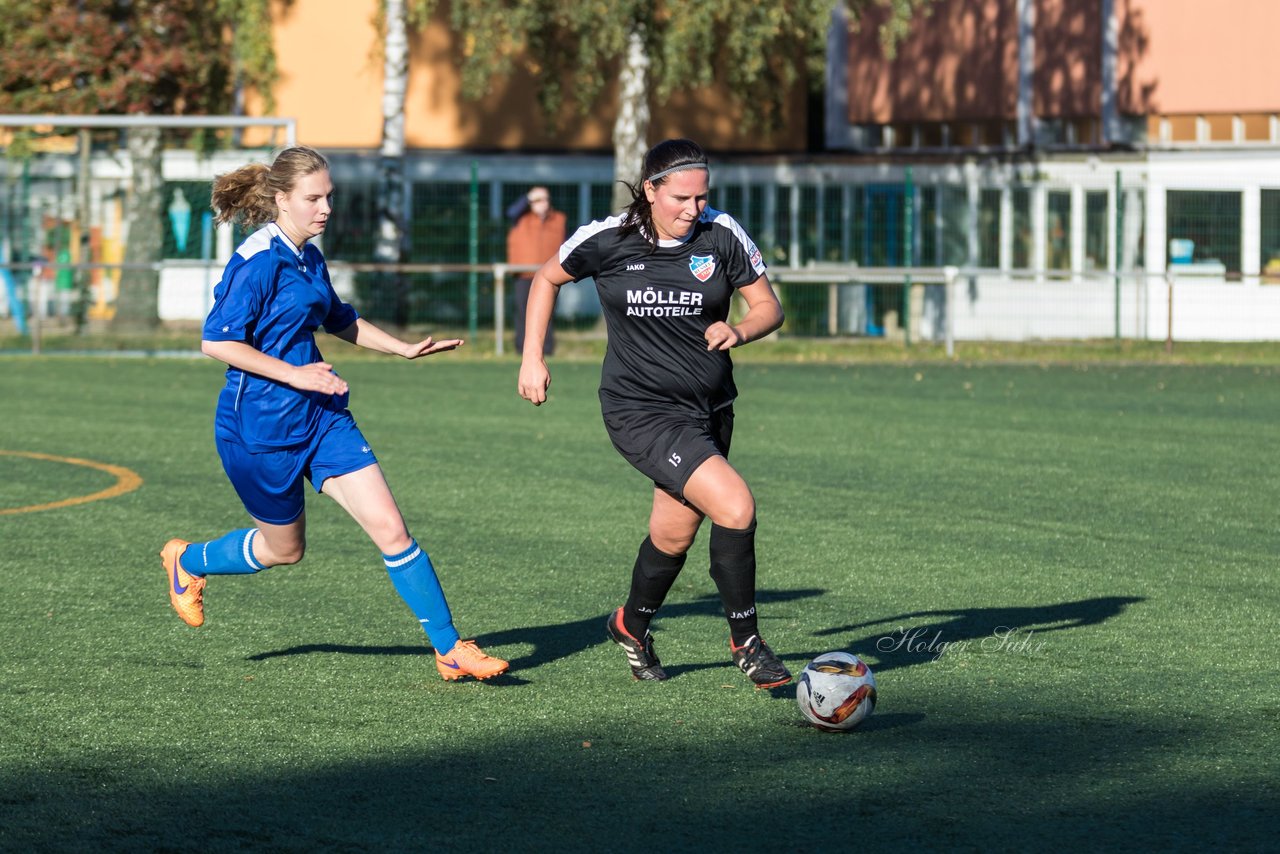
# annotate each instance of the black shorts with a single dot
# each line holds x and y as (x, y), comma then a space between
(667, 447)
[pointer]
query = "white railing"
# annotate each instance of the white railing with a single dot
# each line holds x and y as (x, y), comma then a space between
(13, 120)
(966, 304)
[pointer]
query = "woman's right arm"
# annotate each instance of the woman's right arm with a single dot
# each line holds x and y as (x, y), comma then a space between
(318, 376)
(535, 379)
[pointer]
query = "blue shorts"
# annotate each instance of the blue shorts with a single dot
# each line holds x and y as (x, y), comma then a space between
(270, 483)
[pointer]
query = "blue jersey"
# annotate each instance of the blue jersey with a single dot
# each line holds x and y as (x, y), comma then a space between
(274, 298)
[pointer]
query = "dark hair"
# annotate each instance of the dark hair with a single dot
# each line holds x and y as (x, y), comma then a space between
(249, 193)
(668, 154)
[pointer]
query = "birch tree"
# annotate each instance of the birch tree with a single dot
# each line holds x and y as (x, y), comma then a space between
(392, 239)
(653, 48)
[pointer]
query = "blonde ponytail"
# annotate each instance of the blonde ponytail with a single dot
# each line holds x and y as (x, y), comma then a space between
(248, 194)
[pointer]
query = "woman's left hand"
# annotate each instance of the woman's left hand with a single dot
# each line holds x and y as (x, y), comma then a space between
(722, 336)
(428, 346)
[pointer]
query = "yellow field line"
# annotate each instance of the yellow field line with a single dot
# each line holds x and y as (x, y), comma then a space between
(126, 481)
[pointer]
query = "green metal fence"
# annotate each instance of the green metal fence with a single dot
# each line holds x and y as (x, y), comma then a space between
(1007, 220)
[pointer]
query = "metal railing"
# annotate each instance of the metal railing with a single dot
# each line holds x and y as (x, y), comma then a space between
(68, 120)
(829, 276)
(988, 304)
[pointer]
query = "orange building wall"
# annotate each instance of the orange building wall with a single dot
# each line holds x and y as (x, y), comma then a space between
(960, 61)
(331, 81)
(1207, 56)
(329, 78)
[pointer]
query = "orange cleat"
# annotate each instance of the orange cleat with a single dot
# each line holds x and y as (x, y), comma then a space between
(186, 591)
(467, 659)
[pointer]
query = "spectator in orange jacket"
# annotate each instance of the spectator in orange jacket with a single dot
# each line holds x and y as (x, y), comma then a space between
(538, 231)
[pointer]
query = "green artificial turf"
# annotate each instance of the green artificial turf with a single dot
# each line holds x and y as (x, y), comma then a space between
(1063, 577)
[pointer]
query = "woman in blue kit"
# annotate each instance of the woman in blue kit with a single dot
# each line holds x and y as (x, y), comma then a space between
(282, 415)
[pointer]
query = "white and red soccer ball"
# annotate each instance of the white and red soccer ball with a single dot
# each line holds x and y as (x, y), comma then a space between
(837, 691)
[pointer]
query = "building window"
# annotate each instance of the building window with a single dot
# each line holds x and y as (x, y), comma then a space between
(758, 224)
(1211, 221)
(782, 224)
(1221, 128)
(1057, 236)
(989, 228)
(1257, 127)
(929, 223)
(808, 218)
(953, 226)
(440, 223)
(931, 135)
(183, 210)
(883, 225)
(1269, 263)
(1052, 132)
(1087, 131)
(601, 196)
(1181, 129)
(857, 251)
(355, 218)
(833, 239)
(942, 226)
(728, 198)
(1095, 230)
(1021, 228)
(868, 136)
(1132, 229)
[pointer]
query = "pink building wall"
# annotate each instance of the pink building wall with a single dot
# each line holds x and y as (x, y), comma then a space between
(1207, 56)
(960, 61)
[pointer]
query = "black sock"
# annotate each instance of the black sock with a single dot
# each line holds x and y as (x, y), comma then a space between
(654, 573)
(733, 568)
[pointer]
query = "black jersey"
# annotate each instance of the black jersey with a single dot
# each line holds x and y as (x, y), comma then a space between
(658, 303)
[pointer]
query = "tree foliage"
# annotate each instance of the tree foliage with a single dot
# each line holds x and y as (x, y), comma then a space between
(156, 57)
(163, 57)
(758, 51)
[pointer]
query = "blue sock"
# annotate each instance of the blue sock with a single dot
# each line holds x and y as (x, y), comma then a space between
(230, 554)
(415, 580)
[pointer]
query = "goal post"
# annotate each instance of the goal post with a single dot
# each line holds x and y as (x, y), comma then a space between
(135, 120)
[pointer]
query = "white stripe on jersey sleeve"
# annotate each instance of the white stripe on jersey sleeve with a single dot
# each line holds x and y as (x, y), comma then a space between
(721, 218)
(585, 232)
(257, 242)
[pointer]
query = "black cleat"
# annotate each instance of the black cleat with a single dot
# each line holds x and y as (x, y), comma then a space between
(640, 655)
(756, 660)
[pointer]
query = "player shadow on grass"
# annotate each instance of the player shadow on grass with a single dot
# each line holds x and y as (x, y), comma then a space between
(918, 637)
(555, 641)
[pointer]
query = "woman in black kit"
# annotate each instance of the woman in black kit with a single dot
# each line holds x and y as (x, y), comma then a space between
(666, 270)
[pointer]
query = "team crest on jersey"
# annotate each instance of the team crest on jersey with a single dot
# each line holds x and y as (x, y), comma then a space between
(702, 266)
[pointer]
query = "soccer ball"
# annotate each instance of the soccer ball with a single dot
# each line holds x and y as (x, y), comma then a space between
(837, 691)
